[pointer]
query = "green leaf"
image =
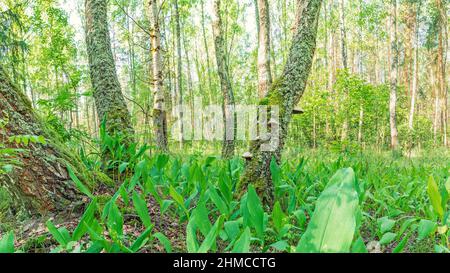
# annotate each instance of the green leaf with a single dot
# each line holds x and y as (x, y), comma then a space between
(359, 246)
(435, 196)
(85, 220)
(202, 218)
(59, 237)
(141, 208)
(277, 217)
(164, 240)
(400, 246)
(141, 240)
(7, 243)
(165, 205)
(81, 187)
(333, 224)
(232, 229)
(280, 245)
(426, 228)
(387, 238)
(115, 222)
(191, 236)
(123, 167)
(256, 212)
(218, 201)
(385, 224)
(242, 245)
(178, 198)
(447, 185)
(210, 239)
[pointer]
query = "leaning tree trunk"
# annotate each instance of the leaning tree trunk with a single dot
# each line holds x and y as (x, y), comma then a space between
(41, 182)
(109, 101)
(284, 93)
(229, 116)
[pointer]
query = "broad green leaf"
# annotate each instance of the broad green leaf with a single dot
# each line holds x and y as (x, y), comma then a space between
(210, 239)
(426, 228)
(232, 229)
(142, 239)
(59, 237)
(191, 236)
(141, 208)
(85, 220)
(280, 245)
(387, 238)
(256, 212)
(123, 167)
(333, 224)
(385, 224)
(277, 217)
(115, 222)
(447, 185)
(177, 197)
(202, 218)
(242, 245)
(218, 201)
(435, 196)
(7, 243)
(358, 246)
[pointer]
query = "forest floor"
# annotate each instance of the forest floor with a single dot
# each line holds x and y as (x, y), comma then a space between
(394, 202)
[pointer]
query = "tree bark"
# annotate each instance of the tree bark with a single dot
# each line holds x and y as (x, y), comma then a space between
(284, 93)
(344, 61)
(109, 100)
(415, 73)
(264, 71)
(159, 107)
(393, 81)
(229, 116)
(179, 82)
(41, 183)
(441, 58)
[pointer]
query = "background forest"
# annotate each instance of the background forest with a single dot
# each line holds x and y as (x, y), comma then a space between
(88, 96)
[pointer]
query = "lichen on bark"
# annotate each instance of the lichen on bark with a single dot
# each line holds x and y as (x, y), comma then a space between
(109, 101)
(285, 93)
(41, 183)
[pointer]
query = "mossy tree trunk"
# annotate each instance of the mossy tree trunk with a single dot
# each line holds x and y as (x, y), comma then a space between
(41, 183)
(229, 116)
(109, 100)
(284, 93)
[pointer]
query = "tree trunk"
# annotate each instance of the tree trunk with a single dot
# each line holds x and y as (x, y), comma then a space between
(393, 81)
(208, 62)
(442, 42)
(415, 74)
(264, 71)
(229, 116)
(344, 61)
(41, 183)
(179, 82)
(159, 107)
(109, 100)
(284, 93)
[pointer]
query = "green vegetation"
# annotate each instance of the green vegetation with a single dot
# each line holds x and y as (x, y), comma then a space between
(93, 159)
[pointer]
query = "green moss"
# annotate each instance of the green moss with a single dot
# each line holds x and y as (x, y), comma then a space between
(102, 178)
